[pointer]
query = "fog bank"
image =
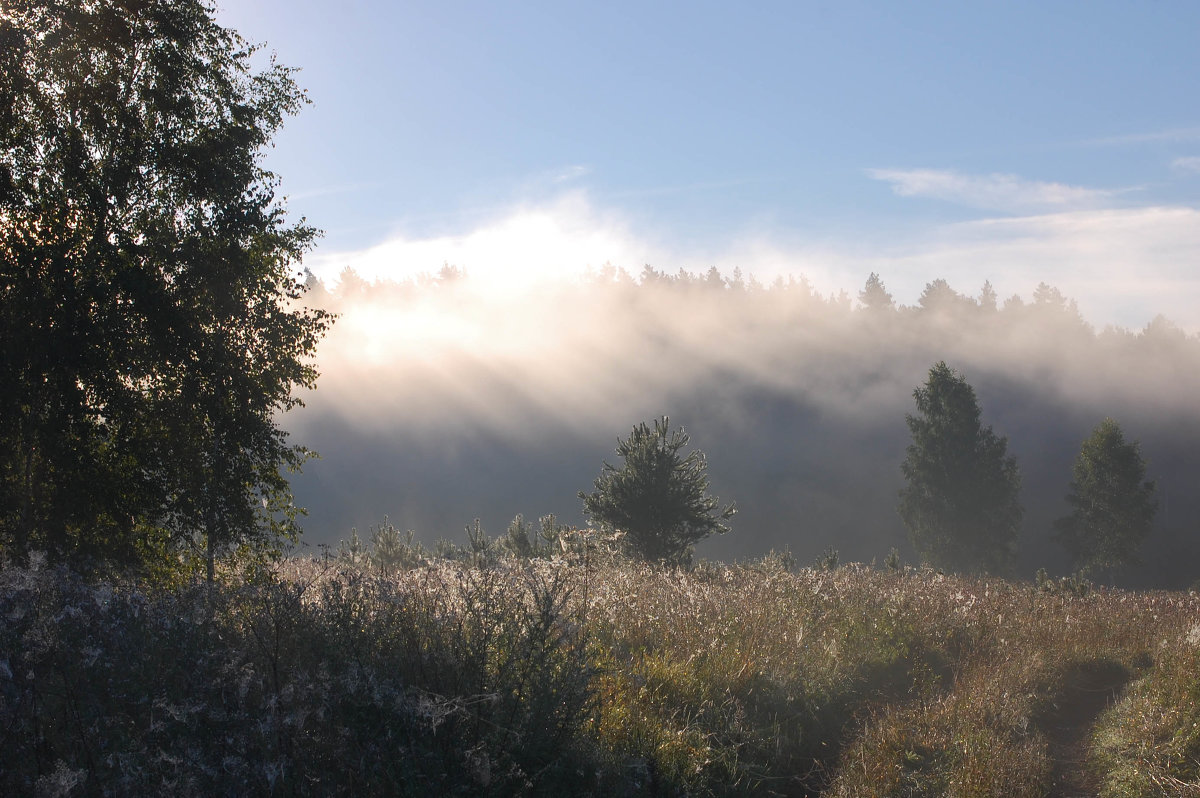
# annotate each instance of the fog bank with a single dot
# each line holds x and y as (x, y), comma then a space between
(443, 399)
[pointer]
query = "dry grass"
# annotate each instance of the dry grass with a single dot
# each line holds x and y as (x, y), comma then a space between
(590, 674)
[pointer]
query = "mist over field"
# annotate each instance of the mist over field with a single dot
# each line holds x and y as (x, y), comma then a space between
(443, 399)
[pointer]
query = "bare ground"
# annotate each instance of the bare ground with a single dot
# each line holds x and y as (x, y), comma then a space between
(1067, 724)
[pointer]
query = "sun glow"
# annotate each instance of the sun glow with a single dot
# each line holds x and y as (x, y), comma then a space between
(375, 333)
(523, 248)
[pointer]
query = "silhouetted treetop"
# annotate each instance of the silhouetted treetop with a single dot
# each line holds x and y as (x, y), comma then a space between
(874, 296)
(939, 297)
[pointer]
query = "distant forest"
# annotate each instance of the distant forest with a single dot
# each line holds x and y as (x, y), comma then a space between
(444, 399)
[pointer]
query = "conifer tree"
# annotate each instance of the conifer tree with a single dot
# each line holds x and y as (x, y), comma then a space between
(987, 297)
(874, 297)
(960, 505)
(1113, 506)
(658, 498)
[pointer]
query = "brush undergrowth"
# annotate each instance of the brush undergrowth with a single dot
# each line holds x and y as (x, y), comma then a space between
(586, 673)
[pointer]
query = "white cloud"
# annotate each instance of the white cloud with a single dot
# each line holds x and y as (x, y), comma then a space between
(1000, 192)
(571, 173)
(1123, 266)
(528, 244)
(1189, 164)
(1173, 134)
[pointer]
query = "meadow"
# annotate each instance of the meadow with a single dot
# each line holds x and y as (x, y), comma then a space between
(480, 672)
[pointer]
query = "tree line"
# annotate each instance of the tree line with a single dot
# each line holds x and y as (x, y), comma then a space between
(937, 297)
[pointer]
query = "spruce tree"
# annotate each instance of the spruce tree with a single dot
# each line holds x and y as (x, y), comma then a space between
(1113, 505)
(960, 505)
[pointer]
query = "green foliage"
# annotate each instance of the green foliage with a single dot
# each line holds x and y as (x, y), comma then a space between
(960, 505)
(1113, 505)
(658, 498)
(391, 552)
(741, 680)
(783, 560)
(482, 549)
(387, 550)
(551, 533)
(518, 540)
(1074, 585)
(1148, 744)
(350, 551)
(150, 331)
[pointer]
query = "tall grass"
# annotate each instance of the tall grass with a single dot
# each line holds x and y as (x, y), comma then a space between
(321, 681)
(585, 673)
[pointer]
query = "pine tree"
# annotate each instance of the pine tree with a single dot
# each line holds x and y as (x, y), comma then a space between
(1113, 505)
(987, 297)
(960, 505)
(874, 297)
(939, 299)
(658, 498)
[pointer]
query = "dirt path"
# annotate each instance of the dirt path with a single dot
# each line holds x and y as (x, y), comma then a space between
(1090, 689)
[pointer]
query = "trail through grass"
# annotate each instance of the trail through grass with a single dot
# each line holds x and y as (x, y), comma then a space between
(1069, 721)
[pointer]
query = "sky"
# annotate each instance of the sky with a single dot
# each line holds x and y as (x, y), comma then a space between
(1012, 142)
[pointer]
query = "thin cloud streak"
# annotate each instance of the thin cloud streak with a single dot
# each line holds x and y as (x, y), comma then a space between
(326, 191)
(1189, 164)
(572, 173)
(1174, 134)
(999, 192)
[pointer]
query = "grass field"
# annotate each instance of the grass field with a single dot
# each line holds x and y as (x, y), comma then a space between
(587, 673)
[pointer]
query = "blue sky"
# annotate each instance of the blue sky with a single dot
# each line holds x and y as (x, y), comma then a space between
(1013, 142)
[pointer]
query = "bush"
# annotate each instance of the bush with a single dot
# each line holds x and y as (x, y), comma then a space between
(336, 683)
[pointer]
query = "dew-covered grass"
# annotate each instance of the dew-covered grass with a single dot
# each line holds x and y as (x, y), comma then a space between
(585, 673)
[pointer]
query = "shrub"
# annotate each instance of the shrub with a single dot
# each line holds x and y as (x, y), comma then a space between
(339, 682)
